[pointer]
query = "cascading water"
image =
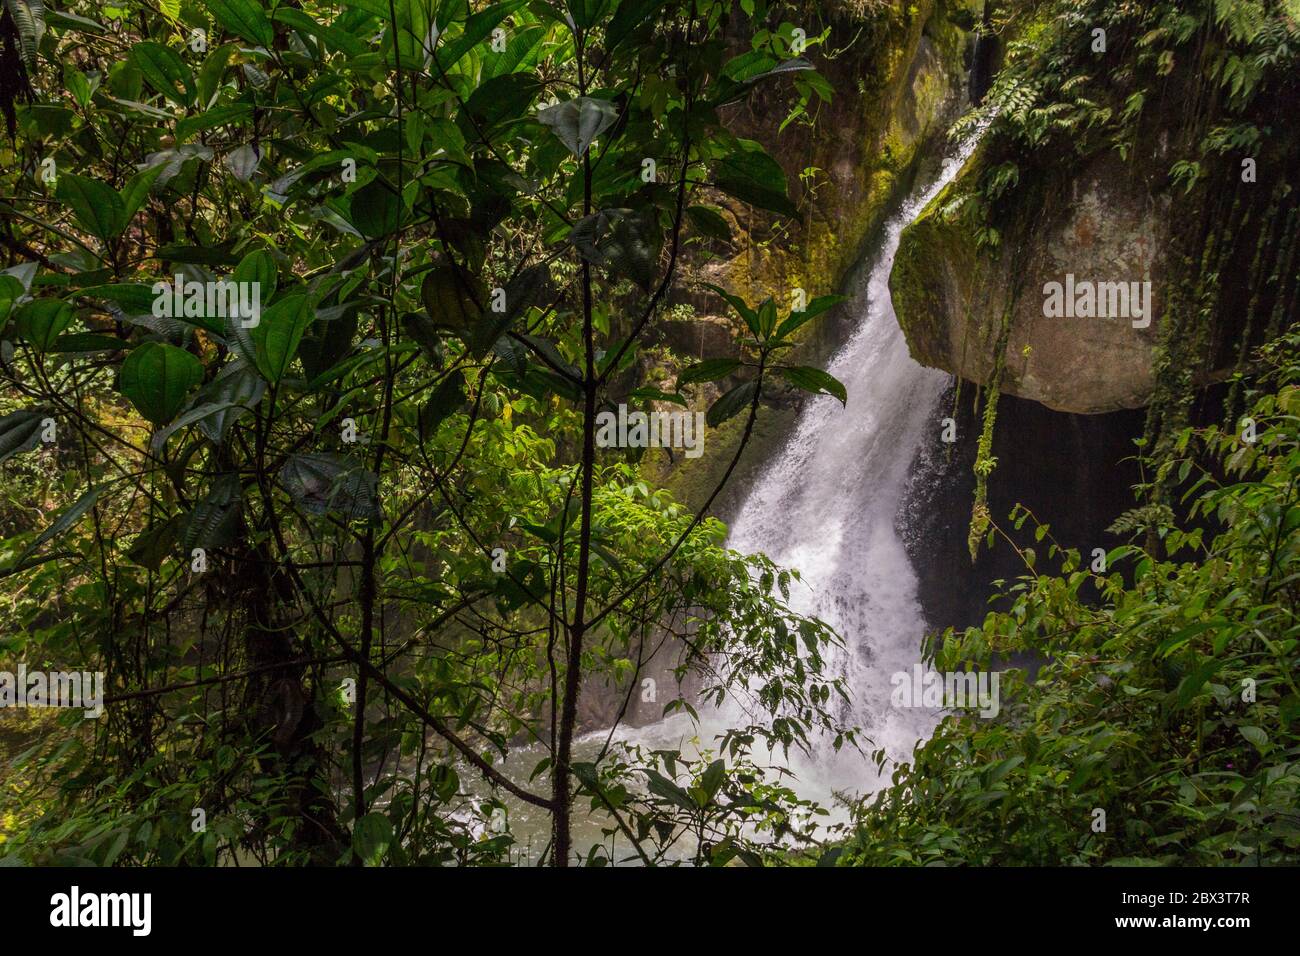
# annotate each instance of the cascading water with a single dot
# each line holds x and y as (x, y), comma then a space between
(827, 504)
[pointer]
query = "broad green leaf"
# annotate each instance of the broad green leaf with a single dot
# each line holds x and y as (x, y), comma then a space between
(229, 114)
(137, 191)
(710, 370)
(447, 399)
(88, 342)
(376, 209)
(340, 40)
(752, 176)
(709, 222)
(328, 483)
(736, 302)
(234, 391)
(258, 266)
(371, 838)
(20, 432)
(277, 335)
(245, 18)
(453, 298)
(629, 15)
(11, 290)
(156, 378)
(477, 29)
(152, 546)
(41, 321)
(210, 74)
(577, 122)
(98, 207)
(63, 522)
(165, 71)
(732, 402)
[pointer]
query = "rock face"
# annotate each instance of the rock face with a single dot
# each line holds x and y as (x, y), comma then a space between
(899, 80)
(1106, 225)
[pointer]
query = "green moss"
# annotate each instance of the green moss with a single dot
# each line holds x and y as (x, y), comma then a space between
(692, 480)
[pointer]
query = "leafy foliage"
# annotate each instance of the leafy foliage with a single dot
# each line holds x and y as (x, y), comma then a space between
(384, 479)
(1171, 705)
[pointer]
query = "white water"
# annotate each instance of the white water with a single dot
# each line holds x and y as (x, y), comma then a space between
(827, 505)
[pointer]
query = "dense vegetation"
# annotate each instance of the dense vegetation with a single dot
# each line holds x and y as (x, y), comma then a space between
(345, 565)
(1164, 723)
(1164, 726)
(338, 560)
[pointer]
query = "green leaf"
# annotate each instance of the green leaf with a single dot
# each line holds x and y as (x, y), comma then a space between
(502, 99)
(20, 432)
(754, 177)
(258, 266)
(577, 122)
(217, 116)
(210, 74)
(521, 294)
(732, 402)
(137, 191)
(585, 13)
(98, 207)
(136, 298)
(11, 290)
(813, 309)
(152, 546)
(709, 222)
(277, 335)
(736, 302)
(710, 370)
(712, 779)
(1256, 736)
(341, 40)
(477, 29)
(88, 342)
(63, 522)
(196, 414)
(661, 786)
(447, 399)
(165, 71)
(331, 483)
(453, 299)
(814, 380)
(244, 18)
(41, 322)
(233, 392)
(376, 209)
(371, 838)
(629, 15)
(156, 378)
(622, 241)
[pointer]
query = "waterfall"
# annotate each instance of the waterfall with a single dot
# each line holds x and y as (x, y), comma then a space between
(827, 504)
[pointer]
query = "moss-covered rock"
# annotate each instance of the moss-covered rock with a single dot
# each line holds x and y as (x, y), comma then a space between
(1091, 174)
(899, 80)
(1103, 224)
